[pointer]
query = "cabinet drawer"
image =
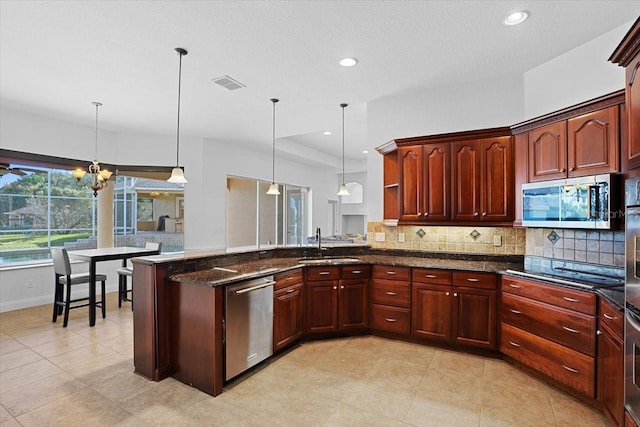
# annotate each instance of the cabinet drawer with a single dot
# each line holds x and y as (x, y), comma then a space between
(392, 272)
(389, 292)
(390, 319)
(569, 328)
(471, 279)
(288, 278)
(431, 276)
(356, 271)
(323, 273)
(572, 299)
(565, 365)
(611, 317)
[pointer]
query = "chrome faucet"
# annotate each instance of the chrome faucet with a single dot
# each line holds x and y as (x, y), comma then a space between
(319, 239)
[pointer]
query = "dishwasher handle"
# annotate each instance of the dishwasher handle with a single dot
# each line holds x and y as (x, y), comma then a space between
(254, 288)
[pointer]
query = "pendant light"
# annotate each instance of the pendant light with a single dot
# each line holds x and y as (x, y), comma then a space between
(99, 177)
(177, 175)
(343, 191)
(273, 188)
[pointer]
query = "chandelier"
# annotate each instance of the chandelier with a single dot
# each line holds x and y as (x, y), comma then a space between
(99, 176)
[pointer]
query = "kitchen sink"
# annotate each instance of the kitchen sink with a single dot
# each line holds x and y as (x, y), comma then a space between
(328, 260)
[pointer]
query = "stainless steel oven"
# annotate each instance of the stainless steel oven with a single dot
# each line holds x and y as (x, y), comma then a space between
(632, 298)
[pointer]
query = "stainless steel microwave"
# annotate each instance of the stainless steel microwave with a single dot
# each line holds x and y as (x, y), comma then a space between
(583, 202)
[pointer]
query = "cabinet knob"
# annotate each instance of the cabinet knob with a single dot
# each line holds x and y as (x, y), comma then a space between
(446, 293)
(426, 214)
(335, 287)
(484, 214)
(342, 287)
(476, 214)
(455, 294)
(599, 332)
(562, 170)
(572, 168)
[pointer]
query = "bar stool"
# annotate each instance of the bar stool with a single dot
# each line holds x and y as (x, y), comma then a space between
(64, 277)
(124, 272)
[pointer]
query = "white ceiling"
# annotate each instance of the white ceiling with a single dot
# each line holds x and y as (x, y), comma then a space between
(56, 57)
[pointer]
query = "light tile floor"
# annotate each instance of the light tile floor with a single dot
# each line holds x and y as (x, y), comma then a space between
(84, 376)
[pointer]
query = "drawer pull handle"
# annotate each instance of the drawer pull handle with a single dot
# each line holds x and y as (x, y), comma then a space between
(575, 371)
(608, 316)
(290, 278)
(390, 319)
(393, 294)
(324, 273)
(471, 279)
(290, 291)
(430, 276)
(515, 311)
(570, 330)
(356, 272)
(511, 285)
(391, 273)
(570, 299)
(514, 344)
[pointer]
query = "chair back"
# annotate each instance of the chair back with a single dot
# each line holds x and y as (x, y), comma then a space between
(153, 245)
(61, 264)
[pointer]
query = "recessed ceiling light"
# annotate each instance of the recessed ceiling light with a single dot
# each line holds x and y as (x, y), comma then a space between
(516, 18)
(365, 151)
(348, 62)
(326, 132)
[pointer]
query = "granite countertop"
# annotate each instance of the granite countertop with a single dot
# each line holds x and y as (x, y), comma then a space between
(487, 265)
(614, 295)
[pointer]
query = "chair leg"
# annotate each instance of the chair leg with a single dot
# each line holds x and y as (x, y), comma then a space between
(67, 303)
(56, 299)
(121, 285)
(104, 301)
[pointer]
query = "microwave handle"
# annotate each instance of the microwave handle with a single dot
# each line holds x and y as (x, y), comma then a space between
(594, 202)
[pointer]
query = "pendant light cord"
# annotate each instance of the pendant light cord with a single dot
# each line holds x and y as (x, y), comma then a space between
(178, 125)
(273, 149)
(97, 104)
(343, 107)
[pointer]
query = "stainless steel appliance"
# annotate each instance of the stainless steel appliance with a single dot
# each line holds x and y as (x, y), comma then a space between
(248, 324)
(632, 297)
(583, 202)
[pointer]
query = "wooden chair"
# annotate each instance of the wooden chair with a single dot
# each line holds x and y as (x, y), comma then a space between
(64, 277)
(124, 272)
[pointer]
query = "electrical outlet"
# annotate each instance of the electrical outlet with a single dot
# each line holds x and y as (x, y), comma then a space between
(380, 237)
(401, 237)
(497, 240)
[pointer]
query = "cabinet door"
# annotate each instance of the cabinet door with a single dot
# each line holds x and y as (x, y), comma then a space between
(431, 312)
(496, 196)
(632, 100)
(353, 303)
(436, 182)
(466, 181)
(593, 145)
(610, 369)
(410, 164)
(474, 317)
(321, 308)
(548, 152)
(287, 316)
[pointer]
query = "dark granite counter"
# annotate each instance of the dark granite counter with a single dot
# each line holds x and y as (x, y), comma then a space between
(488, 264)
(614, 295)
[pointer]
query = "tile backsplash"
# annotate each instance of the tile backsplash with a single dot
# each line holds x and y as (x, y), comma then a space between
(593, 247)
(448, 239)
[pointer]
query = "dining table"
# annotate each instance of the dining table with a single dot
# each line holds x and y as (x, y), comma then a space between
(93, 256)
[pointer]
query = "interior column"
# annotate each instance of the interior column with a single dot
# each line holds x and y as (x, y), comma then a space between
(105, 216)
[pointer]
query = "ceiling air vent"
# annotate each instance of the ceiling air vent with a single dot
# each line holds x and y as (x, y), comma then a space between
(228, 82)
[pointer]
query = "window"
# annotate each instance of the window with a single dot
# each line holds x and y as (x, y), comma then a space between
(43, 207)
(256, 219)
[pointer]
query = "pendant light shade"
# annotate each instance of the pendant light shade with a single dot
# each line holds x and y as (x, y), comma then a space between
(177, 175)
(343, 190)
(273, 188)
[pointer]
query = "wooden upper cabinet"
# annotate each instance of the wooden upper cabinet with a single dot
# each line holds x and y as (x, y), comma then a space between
(593, 145)
(483, 180)
(466, 178)
(627, 54)
(548, 152)
(410, 164)
(390, 188)
(436, 182)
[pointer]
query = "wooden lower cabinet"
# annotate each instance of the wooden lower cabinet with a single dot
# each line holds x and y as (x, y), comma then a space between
(611, 362)
(288, 304)
(391, 299)
(551, 329)
(321, 308)
(461, 315)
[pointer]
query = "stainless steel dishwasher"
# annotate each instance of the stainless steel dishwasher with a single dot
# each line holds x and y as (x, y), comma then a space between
(248, 324)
